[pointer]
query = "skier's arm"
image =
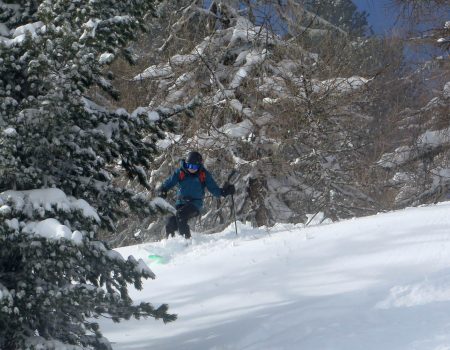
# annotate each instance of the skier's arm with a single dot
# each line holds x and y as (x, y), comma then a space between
(212, 186)
(170, 181)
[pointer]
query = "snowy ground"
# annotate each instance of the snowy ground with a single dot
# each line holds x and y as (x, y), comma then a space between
(374, 283)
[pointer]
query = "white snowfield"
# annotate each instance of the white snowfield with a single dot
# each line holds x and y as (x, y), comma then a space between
(374, 283)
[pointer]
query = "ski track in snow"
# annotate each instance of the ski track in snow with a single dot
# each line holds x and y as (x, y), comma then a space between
(373, 283)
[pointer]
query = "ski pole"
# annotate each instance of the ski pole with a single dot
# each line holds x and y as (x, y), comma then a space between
(234, 213)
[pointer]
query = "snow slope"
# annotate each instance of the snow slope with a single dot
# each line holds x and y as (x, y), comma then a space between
(373, 283)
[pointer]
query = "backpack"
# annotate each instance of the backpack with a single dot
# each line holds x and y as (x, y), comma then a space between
(201, 176)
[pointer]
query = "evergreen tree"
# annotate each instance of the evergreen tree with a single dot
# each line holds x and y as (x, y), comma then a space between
(59, 154)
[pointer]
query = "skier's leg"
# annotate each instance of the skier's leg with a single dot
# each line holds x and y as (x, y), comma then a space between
(184, 213)
(171, 226)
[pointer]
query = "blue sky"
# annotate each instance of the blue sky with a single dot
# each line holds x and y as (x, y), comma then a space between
(382, 14)
(383, 17)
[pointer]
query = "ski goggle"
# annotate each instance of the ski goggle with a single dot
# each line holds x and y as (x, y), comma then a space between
(192, 166)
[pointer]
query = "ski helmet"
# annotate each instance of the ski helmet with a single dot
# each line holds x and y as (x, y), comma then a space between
(194, 158)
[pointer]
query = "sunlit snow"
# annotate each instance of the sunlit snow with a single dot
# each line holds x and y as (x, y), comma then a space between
(373, 283)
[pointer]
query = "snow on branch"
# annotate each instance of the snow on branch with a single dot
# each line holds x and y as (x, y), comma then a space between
(341, 85)
(50, 229)
(425, 143)
(156, 71)
(434, 138)
(94, 24)
(391, 160)
(248, 32)
(19, 34)
(39, 203)
(46, 200)
(252, 58)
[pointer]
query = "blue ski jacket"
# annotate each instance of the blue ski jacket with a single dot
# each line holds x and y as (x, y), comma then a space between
(190, 187)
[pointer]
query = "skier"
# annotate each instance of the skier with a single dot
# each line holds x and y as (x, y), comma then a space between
(191, 178)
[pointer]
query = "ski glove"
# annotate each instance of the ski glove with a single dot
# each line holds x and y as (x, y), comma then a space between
(228, 190)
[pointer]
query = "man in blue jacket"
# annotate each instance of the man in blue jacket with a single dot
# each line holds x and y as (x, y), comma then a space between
(191, 178)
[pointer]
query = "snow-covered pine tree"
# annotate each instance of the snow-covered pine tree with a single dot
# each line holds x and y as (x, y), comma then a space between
(59, 153)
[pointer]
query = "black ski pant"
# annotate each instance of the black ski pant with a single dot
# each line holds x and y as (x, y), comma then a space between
(180, 220)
